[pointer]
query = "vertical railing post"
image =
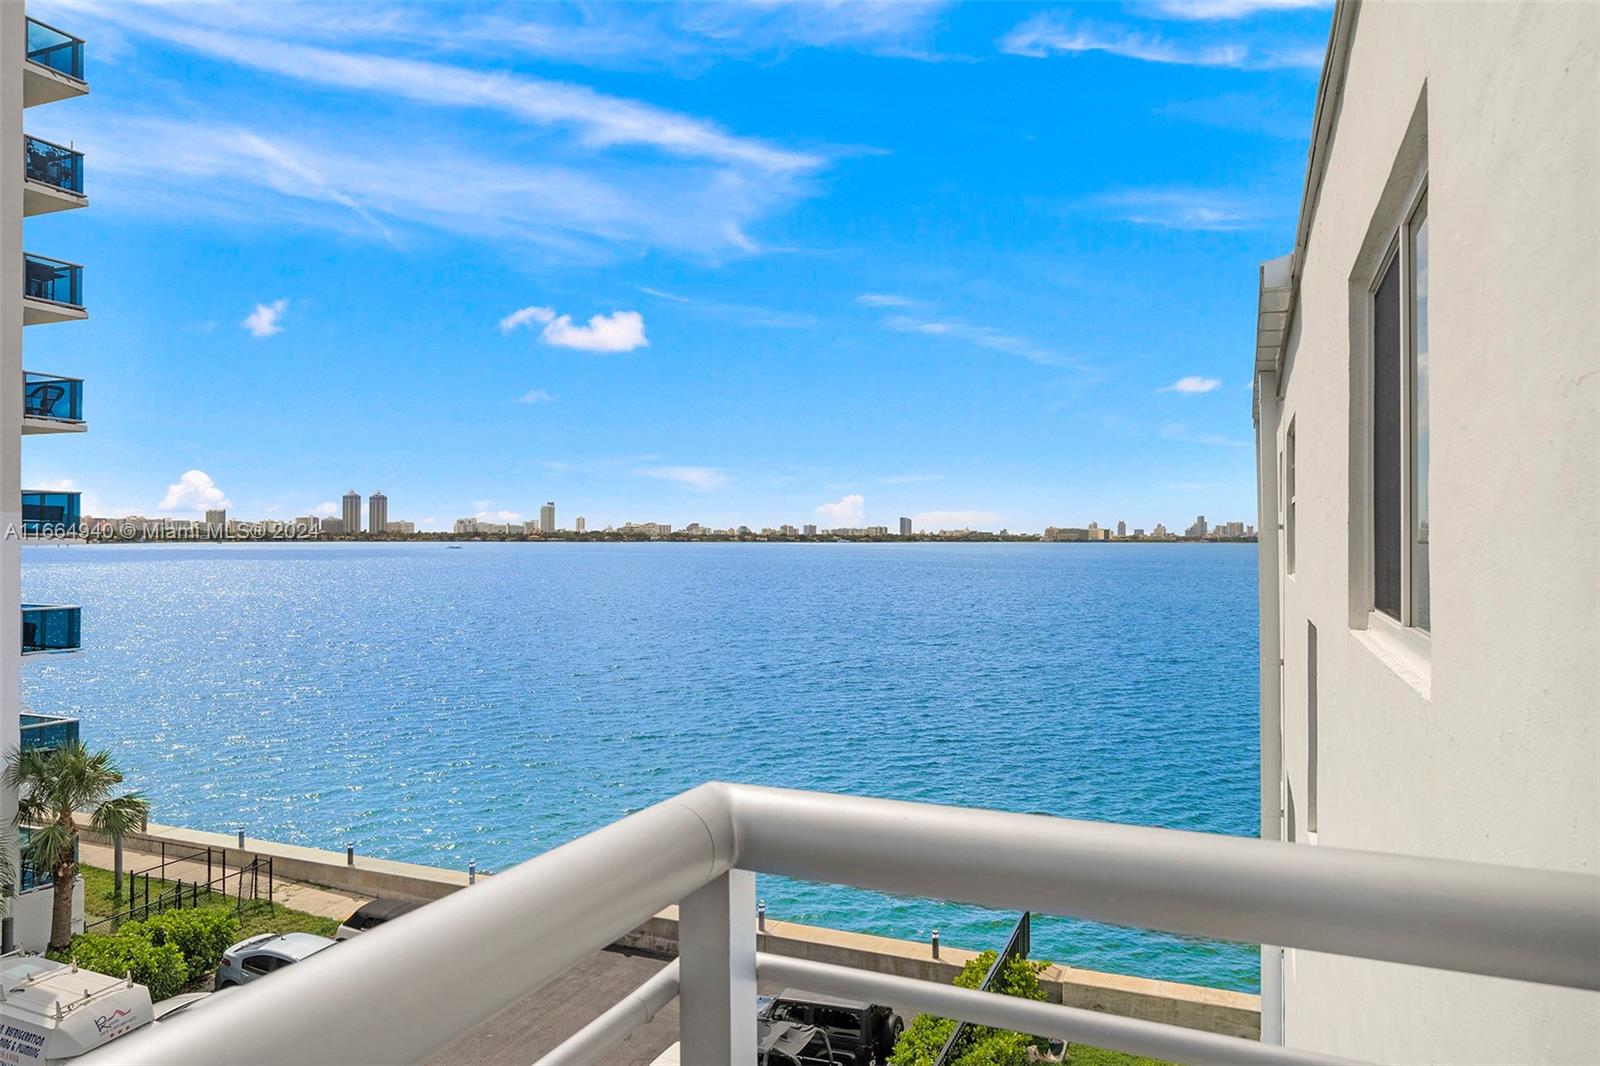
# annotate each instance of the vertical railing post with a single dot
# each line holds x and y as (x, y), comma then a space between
(717, 971)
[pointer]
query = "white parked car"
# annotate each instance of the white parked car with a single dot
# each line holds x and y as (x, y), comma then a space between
(252, 959)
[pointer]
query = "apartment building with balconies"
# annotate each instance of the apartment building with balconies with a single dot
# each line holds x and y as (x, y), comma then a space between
(1427, 358)
(39, 65)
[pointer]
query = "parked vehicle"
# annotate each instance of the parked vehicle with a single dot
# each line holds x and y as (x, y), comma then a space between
(790, 1044)
(54, 1011)
(182, 1003)
(777, 1044)
(374, 913)
(857, 1033)
(252, 959)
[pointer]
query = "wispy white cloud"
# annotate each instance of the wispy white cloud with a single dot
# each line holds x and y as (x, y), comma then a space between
(498, 517)
(193, 492)
(526, 316)
(600, 120)
(1212, 10)
(698, 478)
(847, 512)
(980, 335)
(1182, 209)
(1192, 385)
(327, 508)
(884, 299)
(1178, 431)
(937, 520)
(266, 319)
(395, 180)
(739, 314)
(620, 331)
(1053, 33)
(595, 465)
(536, 396)
(600, 35)
(65, 484)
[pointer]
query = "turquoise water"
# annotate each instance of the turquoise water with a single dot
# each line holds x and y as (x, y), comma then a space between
(493, 702)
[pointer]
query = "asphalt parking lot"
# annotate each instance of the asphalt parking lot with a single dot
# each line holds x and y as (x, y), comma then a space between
(534, 1025)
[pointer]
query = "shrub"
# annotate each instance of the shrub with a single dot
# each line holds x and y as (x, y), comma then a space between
(925, 1037)
(159, 967)
(202, 935)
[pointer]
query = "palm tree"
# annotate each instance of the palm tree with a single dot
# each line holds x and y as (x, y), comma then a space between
(8, 873)
(53, 786)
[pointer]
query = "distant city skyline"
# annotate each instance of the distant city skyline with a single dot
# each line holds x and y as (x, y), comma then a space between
(350, 519)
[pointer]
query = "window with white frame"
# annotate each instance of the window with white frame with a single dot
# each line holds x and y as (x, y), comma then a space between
(1399, 397)
(1288, 498)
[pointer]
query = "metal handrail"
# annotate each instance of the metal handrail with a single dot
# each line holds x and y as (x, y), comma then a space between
(1170, 1043)
(487, 947)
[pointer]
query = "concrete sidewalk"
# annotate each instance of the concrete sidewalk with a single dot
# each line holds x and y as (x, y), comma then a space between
(313, 899)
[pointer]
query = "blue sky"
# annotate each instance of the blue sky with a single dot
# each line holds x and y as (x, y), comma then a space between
(990, 265)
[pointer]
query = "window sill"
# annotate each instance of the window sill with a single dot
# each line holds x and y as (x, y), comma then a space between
(1407, 652)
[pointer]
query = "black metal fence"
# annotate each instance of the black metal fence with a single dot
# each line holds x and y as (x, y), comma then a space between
(1019, 944)
(177, 882)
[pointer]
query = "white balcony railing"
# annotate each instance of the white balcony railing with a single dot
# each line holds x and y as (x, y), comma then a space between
(403, 991)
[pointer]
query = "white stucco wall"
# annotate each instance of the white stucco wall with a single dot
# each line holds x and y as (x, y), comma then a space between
(33, 911)
(1496, 757)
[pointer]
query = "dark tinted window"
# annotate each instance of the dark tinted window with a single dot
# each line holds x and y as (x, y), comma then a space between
(834, 1018)
(788, 1012)
(260, 963)
(1387, 536)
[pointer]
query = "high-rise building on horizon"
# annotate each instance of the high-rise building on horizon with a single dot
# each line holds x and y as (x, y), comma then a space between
(1122, 529)
(351, 516)
(547, 517)
(905, 527)
(217, 517)
(377, 513)
(581, 525)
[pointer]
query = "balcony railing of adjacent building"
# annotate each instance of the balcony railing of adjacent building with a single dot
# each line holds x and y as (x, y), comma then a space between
(55, 280)
(485, 947)
(50, 628)
(53, 164)
(47, 731)
(50, 47)
(51, 397)
(51, 514)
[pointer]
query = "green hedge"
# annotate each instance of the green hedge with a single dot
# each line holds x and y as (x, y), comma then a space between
(202, 935)
(923, 1039)
(163, 952)
(159, 967)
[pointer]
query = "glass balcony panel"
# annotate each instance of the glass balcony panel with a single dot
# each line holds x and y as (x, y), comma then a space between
(52, 279)
(52, 164)
(47, 731)
(50, 629)
(32, 878)
(49, 47)
(50, 514)
(52, 397)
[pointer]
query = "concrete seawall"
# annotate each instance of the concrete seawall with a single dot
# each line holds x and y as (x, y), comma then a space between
(1193, 1006)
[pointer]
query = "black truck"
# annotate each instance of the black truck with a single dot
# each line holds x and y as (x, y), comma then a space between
(858, 1034)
